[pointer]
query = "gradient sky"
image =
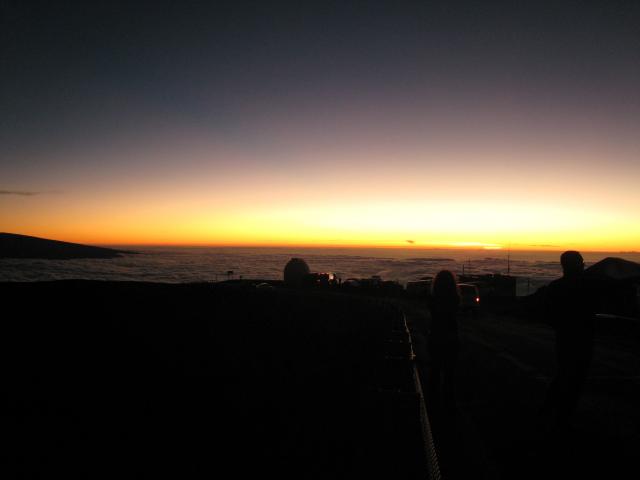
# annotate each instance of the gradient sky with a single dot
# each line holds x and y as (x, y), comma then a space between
(343, 123)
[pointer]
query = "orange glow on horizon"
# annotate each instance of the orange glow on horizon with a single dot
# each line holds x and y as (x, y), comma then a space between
(362, 201)
(407, 224)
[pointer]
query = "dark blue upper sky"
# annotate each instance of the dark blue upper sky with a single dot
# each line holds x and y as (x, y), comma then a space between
(101, 68)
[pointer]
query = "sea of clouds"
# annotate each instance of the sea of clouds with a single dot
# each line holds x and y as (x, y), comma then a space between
(190, 264)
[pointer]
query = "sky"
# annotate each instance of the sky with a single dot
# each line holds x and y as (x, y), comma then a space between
(414, 124)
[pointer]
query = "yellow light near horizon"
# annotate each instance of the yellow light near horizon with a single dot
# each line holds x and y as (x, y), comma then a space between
(354, 213)
(488, 194)
(485, 246)
(381, 224)
(332, 227)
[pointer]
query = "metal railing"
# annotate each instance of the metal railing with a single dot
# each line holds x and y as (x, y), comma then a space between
(433, 466)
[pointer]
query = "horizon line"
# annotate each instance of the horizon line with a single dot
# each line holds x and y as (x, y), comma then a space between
(451, 246)
(365, 246)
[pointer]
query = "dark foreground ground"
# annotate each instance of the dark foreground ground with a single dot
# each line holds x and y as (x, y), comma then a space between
(505, 367)
(132, 380)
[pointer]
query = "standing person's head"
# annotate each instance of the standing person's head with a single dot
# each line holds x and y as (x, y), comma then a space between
(572, 263)
(445, 285)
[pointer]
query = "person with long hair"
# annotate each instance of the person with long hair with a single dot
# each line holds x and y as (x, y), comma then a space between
(443, 340)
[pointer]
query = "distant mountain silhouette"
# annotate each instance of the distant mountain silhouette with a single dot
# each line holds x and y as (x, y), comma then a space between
(22, 246)
(615, 268)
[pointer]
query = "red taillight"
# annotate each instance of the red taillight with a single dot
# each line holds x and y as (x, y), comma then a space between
(477, 299)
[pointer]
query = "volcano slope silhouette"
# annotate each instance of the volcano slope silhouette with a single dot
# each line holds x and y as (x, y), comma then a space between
(23, 246)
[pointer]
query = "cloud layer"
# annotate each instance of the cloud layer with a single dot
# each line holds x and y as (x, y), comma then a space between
(24, 193)
(19, 192)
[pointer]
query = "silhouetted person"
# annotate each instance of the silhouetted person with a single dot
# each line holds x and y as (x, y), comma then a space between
(442, 340)
(571, 305)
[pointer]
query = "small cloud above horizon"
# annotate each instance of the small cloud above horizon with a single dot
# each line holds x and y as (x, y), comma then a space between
(26, 193)
(410, 241)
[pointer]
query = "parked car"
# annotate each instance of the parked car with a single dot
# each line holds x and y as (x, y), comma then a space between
(419, 288)
(469, 298)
